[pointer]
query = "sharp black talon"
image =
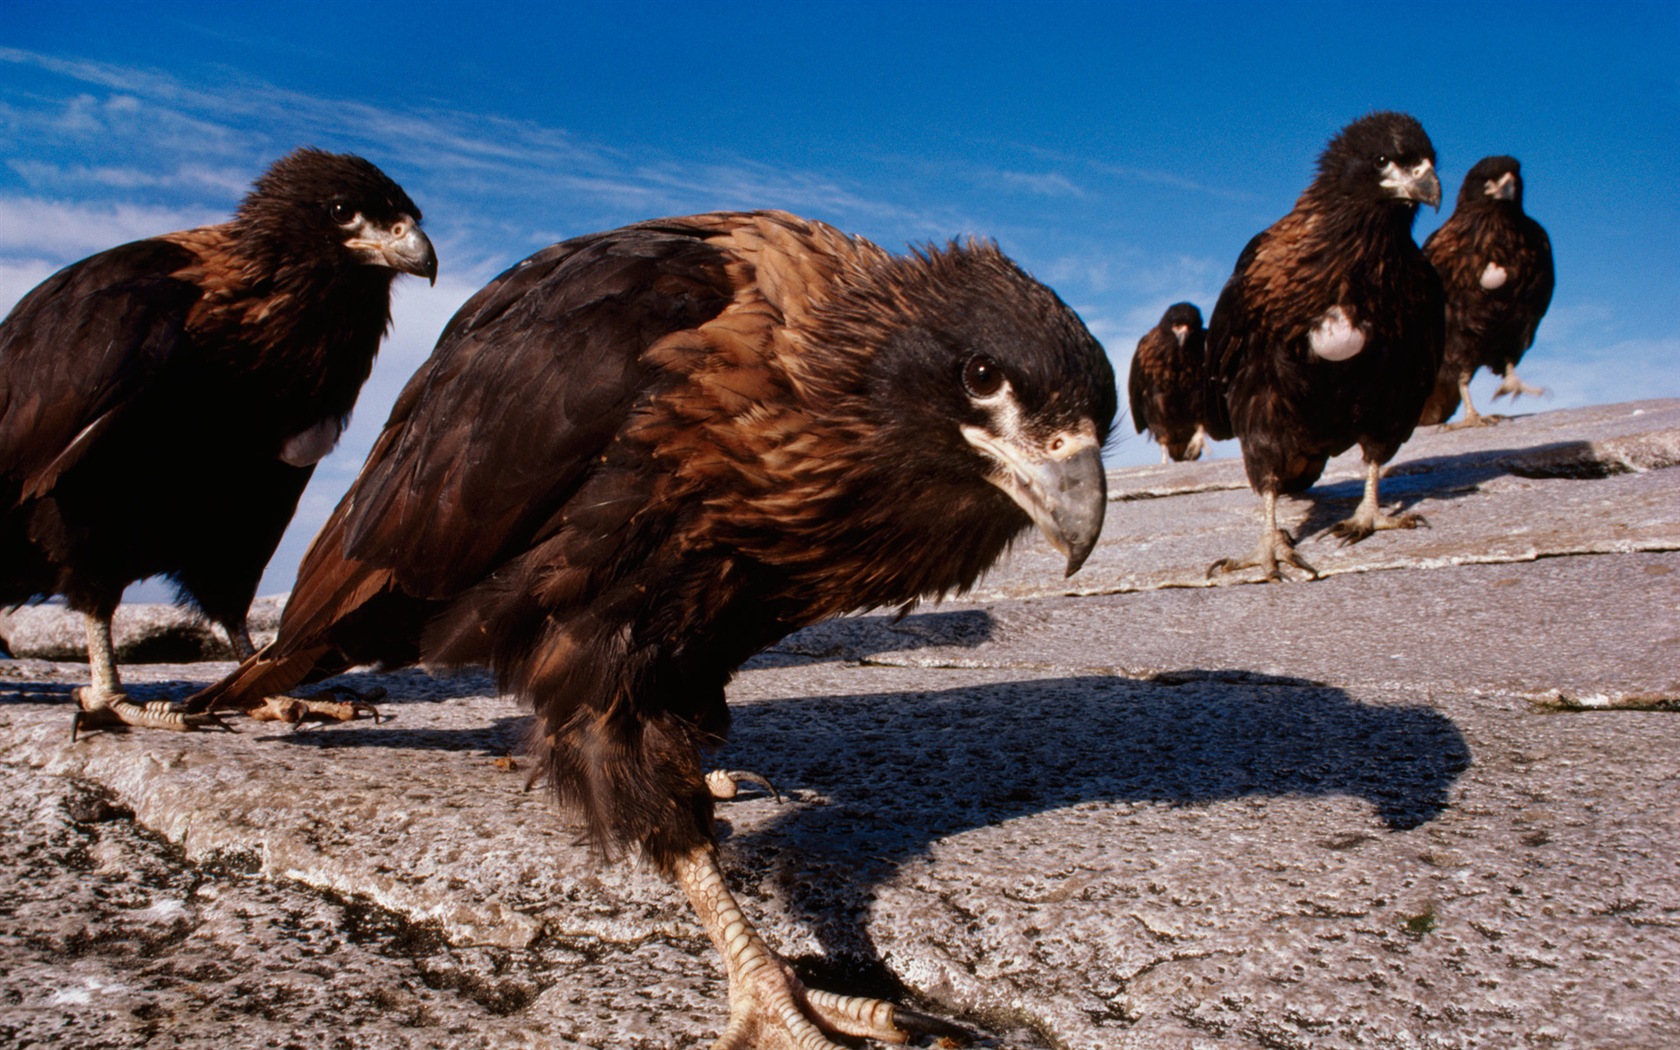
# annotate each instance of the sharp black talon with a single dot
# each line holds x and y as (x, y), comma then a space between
(925, 1024)
(757, 781)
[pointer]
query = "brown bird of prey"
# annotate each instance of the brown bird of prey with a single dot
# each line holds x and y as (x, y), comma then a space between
(1329, 331)
(1168, 383)
(639, 457)
(163, 403)
(1496, 263)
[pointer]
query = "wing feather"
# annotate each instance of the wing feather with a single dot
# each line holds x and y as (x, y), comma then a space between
(77, 349)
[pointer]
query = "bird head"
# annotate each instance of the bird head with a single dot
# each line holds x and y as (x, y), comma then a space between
(1495, 178)
(337, 208)
(986, 383)
(1182, 320)
(1382, 158)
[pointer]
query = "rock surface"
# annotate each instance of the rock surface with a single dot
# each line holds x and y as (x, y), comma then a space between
(1425, 801)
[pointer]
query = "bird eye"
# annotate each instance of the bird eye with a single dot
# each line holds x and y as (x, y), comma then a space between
(1382, 160)
(342, 213)
(982, 377)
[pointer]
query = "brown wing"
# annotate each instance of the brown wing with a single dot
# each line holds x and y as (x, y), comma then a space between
(1142, 380)
(527, 386)
(76, 350)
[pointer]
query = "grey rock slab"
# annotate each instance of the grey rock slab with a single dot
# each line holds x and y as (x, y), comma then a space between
(1108, 861)
(1581, 631)
(1581, 481)
(110, 939)
(420, 818)
(140, 633)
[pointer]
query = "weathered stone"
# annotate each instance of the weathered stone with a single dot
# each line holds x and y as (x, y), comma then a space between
(141, 633)
(1425, 801)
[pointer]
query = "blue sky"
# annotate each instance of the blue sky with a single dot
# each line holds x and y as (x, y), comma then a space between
(1122, 152)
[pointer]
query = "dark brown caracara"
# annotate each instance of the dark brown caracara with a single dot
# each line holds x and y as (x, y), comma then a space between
(163, 403)
(1496, 263)
(1329, 331)
(639, 457)
(1168, 384)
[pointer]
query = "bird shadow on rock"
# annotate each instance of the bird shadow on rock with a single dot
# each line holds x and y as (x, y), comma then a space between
(1408, 483)
(24, 691)
(496, 737)
(902, 771)
(860, 637)
(411, 685)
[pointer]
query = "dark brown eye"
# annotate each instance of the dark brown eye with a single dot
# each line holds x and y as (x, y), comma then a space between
(982, 377)
(342, 213)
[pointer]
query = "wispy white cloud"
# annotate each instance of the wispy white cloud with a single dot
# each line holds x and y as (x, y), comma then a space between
(67, 231)
(42, 175)
(1046, 184)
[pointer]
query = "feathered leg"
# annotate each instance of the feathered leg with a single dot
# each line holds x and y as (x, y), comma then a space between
(1516, 387)
(769, 1007)
(1472, 418)
(1368, 518)
(103, 703)
(1275, 547)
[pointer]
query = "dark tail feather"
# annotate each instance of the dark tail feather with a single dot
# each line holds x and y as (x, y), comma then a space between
(257, 678)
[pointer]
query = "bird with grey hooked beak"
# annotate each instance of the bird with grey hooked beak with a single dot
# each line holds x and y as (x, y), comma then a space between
(1329, 331)
(205, 371)
(727, 427)
(1496, 263)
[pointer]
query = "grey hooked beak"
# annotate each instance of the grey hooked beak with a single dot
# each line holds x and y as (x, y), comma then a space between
(1505, 189)
(1417, 183)
(1061, 486)
(403, 247)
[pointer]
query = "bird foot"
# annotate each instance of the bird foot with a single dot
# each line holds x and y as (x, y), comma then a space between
(104, 710)
(1197, 444)
(725, 784)
(1274, 552)
(771, 1009)
(325, 706)
(1516, 388)
(1476, 420)
(1360, 527)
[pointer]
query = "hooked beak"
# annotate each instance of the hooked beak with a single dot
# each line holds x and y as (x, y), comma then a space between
(403, 247)
(1060, 485)
(1416, 183)
(1505, 189)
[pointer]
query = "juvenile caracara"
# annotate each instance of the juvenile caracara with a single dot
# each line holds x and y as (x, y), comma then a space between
(1168, 383)
(163, 403)
(1329, 331)
(1496, 263)
(639, 457)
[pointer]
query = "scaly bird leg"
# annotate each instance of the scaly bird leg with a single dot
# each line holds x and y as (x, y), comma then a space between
(1198, 442)
(769, 1007)
(1275, 547)
(1368, 518)
(1516, 387)
(1472, 418)
(104, 705)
